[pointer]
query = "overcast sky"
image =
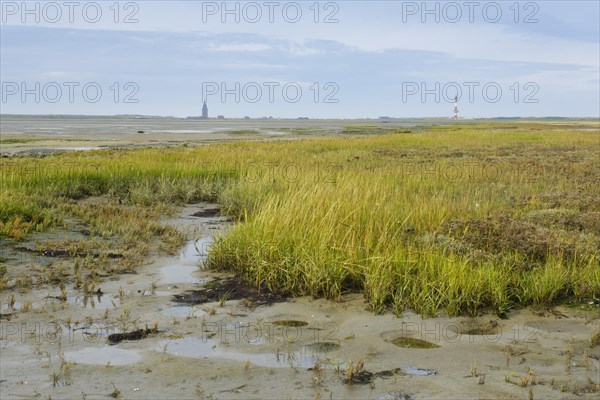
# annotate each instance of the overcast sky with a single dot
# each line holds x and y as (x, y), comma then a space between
(342, 59)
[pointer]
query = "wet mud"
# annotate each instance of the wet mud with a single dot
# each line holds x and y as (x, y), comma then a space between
(231, 288)
(138, 334)
(208, 212)
(177, 330)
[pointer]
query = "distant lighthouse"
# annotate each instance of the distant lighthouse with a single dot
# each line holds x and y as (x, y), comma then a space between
(204, 111)
(455, 107)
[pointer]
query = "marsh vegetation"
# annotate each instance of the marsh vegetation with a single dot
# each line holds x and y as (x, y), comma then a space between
(455, 218)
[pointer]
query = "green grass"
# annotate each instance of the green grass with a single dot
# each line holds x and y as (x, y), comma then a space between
(458, 218)
(372, 129)
(16, 139)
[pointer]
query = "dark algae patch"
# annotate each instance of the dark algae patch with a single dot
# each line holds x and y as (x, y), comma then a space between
(229, 289)
(6, 316)
(356, 374)
(491, 328)
(290, 322)
(138, 334)
(413, 343)
(323, 347)
(207, 213)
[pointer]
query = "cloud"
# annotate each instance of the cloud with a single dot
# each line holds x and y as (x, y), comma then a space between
(57, 74)
(240, 47)
(253, 66)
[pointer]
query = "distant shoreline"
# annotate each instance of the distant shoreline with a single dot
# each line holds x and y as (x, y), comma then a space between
(191, 118)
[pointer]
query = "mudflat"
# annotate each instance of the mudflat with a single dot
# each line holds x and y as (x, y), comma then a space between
(135, 273)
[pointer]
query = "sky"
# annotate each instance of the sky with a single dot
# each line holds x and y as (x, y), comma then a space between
(289, 59)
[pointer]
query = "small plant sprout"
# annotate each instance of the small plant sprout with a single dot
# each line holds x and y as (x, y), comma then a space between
(11, 301)
(473, 369)
(223, 299)
(54, 378)
(26, 306)
(116, 393)
(319, 372)
(63, 292)
(569, 358)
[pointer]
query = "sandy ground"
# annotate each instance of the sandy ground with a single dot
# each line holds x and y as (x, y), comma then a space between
(36, 134)
(21, 134)
(235, 350)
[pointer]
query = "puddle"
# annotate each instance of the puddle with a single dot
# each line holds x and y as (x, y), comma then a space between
(94, 302)
(247, 333)
(306, 357)
(183, 311)
(187, 264)
(161, 293)
(413, 343)
(419, 371)
(396, 396)
(194, 251)
(103, 355)
(178, 274)
(6, 308)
